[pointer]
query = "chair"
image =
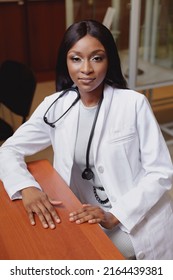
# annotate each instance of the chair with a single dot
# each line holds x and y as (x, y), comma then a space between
(17, 87)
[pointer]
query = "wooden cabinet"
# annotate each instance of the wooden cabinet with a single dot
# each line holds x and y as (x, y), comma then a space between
(31, 31)
(13, 35)
(90, 9)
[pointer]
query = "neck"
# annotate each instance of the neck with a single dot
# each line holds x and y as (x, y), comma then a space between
(89, 102)
(90, 99)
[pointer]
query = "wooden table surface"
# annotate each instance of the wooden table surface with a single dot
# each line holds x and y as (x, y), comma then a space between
(69, 241)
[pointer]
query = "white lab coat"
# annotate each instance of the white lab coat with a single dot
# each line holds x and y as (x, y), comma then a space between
(131, 160)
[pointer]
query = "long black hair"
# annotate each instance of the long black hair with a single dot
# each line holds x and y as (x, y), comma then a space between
(97, 30)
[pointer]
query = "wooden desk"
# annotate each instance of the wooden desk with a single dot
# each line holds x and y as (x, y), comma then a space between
(19, 240)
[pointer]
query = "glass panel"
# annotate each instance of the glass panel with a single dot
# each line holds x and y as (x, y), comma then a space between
(95, 9)
(155, 49)
(78, 10)
(155, 53)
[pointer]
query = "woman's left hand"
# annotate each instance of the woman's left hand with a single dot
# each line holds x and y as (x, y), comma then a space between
(92, 215)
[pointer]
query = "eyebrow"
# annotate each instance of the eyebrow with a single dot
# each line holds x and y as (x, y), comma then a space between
(94, 52)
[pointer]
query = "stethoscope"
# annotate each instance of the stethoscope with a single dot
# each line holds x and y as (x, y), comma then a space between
(87, 174)
(52, 124)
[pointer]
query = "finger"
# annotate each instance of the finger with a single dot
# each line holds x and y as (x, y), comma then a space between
(85, 218)
(55, 202)
(81, 215)
(79, 211)
(86, 205)
(94, 221)
(31, 218)
(41, 216)
(38, 212)
(48, 215)
(51, 209)
(88, 213)
(73, 216)
(42, 213)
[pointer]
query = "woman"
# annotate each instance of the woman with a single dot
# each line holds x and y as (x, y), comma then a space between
(107, 146)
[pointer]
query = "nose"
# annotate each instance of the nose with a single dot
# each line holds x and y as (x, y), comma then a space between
(86, 67)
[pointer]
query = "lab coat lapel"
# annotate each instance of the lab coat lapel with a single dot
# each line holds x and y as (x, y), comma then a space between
(106, 103)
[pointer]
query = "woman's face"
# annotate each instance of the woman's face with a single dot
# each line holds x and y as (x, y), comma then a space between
(87, 64)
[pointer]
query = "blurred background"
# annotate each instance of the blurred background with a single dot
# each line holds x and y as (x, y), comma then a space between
(31, 32)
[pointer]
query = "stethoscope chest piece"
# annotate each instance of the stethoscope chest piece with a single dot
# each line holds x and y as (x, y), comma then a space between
(87, 174)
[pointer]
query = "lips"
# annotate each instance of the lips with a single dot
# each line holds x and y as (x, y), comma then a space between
(86, 80)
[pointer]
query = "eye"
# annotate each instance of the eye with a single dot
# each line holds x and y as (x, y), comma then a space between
(75, 58)
(97, 58)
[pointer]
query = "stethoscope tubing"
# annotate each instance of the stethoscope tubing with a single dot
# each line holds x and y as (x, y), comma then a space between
(52, 124)
(92, 133)
(87, 173)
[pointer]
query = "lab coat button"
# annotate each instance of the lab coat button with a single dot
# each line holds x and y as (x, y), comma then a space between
(101, 169)
(140, 255)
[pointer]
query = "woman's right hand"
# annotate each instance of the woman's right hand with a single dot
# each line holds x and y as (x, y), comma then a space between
(37, 202)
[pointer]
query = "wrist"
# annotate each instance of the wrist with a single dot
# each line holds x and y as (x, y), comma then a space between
(110, 221)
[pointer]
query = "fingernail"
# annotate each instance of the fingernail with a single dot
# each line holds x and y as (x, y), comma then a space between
(45, 226)
(52, 226)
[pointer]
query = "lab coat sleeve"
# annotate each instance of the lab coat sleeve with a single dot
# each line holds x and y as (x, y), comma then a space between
(28, 139)
(132, 207)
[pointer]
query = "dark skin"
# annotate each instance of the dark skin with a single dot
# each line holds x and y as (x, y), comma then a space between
(87, 65)
(92, 215)
(37, 202)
